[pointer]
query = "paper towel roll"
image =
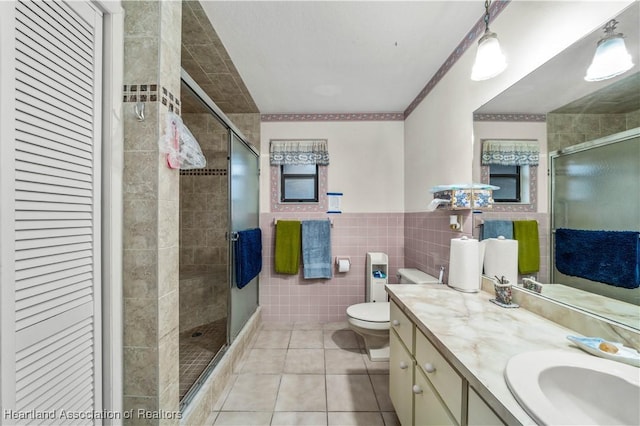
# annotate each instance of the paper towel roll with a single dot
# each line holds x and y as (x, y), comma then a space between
(344, 265)
(464, 265)
(501, 258)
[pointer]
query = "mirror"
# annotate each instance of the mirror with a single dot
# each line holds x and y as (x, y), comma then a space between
(533, 109)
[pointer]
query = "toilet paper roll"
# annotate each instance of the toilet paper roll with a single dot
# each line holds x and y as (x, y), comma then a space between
(464, 265)
(501, 258)
(344, 265)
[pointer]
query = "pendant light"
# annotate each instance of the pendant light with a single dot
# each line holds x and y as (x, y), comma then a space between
(490, 61)
(611, 57)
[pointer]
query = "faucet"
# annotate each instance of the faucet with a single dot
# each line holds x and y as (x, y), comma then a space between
(441, 276)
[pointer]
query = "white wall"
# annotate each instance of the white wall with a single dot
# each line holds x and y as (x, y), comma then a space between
(366, 161)
(514, 130)
(439, 132)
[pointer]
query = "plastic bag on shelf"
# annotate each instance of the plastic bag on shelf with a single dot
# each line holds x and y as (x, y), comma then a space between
(181, 147)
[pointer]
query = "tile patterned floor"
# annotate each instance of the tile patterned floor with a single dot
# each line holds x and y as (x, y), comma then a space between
(198, 346)
(307, 374)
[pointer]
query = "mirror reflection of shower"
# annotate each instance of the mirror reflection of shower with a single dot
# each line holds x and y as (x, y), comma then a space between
(204, 270)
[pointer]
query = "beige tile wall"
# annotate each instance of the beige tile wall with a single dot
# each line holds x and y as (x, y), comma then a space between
(204, 201)
(206, 60)
(249, 125)
(150, 217)
(564, 130)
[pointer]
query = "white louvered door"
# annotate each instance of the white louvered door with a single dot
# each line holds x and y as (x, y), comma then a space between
(56, 211)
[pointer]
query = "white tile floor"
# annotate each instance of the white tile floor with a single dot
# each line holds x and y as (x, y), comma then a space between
(307, 374)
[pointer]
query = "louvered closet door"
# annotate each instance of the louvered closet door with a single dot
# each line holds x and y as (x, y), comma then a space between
(57, 207)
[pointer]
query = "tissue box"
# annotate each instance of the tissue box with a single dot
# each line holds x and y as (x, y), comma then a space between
(469, 198)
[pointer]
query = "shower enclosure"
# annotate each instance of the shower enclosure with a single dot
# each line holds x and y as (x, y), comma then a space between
(596, 186)
(215, 202)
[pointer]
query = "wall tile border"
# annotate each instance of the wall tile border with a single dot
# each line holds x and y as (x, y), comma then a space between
(378, 116)
(203, 172)
(151, 92)
(537, 118)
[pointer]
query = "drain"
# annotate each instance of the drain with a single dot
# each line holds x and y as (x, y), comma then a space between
(197, 334)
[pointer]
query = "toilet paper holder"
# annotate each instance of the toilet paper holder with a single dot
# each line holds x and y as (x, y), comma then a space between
(455, 222)
(343, 263)
(339, 258)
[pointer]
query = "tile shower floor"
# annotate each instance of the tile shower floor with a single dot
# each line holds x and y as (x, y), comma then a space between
(307, 374)
(198, 346)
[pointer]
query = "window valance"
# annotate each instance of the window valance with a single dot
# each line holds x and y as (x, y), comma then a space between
(510, 153)
(299, 152)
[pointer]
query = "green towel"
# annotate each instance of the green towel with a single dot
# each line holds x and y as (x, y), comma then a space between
(287, 255)
(526, 232)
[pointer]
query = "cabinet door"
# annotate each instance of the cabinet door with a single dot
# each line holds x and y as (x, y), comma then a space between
(441, 375)
(401, 324)
(400, 379)
(428, 408)
(479, 411)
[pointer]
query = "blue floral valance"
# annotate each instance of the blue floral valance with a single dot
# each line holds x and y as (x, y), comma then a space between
(299, 152)
(510, 153)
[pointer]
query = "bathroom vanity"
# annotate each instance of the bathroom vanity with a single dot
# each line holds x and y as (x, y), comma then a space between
(448, 352)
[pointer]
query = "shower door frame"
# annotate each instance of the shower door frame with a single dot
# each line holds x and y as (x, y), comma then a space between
(232, 327)
(232, 130)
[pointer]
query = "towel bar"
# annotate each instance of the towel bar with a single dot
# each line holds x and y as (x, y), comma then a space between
(275, 221)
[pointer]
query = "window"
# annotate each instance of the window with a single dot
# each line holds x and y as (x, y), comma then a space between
(298, 162)
(298, 183)
(509, 180)
(508, 164)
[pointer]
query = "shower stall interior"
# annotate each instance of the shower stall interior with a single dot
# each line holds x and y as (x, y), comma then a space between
(215, 202)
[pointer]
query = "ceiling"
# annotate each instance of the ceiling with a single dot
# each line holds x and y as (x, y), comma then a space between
(558, 86)
(318, 57)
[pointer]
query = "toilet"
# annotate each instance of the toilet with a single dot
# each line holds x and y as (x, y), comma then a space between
(371, 319)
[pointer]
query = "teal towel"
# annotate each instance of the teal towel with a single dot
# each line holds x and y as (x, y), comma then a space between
(316, 249)
(526, 232)
(495, 228)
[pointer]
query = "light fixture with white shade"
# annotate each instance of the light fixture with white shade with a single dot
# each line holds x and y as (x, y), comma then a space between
(611, 57)
(490, 61)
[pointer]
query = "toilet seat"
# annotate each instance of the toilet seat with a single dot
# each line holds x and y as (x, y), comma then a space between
(371, 315)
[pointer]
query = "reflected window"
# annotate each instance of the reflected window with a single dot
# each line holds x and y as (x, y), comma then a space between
(299, 183)
(510, 180)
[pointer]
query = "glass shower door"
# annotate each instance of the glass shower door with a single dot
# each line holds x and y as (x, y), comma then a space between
(595, 186)
(244, 214)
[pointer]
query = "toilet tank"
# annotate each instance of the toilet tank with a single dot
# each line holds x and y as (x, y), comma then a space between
(415, 276)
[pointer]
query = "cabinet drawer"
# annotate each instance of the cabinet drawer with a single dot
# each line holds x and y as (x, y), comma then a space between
(429, 410)
(401, 367)
(444, 378)
(479, 411)
(402, 325)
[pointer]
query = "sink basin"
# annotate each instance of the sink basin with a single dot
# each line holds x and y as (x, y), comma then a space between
(561, 387)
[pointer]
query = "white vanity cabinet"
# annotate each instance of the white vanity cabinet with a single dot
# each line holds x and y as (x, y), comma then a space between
(414, 397)
(424, 388)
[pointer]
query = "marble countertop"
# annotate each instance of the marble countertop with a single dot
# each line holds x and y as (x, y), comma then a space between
(478, 337)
